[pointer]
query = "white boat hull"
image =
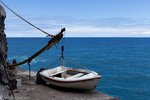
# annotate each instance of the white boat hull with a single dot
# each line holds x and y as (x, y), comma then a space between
(84, 82)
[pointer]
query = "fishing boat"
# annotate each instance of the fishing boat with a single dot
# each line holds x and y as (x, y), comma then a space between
(68, 77)
(59, 76)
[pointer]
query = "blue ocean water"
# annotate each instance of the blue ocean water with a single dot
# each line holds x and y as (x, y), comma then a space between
(124, 63)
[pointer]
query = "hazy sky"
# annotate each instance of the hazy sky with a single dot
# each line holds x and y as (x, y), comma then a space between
(82, 18)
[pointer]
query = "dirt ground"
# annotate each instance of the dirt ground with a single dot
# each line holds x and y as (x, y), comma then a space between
(29, 90)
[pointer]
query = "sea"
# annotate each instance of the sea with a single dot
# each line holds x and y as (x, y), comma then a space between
(124, 63)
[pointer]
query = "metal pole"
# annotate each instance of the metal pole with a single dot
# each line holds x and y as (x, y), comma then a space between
(62, 55)
(29, 70)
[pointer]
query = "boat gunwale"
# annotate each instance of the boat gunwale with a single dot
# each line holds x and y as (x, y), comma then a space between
(70, 81)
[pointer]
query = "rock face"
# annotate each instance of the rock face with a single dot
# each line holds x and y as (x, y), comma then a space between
(3, 47)
(3, 56)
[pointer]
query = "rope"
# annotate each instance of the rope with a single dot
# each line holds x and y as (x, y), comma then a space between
(58, 59)
(26, 20)
(77, 64)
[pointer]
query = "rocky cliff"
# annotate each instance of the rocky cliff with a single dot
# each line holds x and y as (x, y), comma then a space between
(3, 56)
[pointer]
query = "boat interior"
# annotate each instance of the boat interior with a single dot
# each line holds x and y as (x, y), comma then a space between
(70, 74)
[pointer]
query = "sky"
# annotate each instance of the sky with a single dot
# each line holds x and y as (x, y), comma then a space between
(81, 18)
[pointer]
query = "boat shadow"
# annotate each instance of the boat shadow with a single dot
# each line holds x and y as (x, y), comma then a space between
(62, 89)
